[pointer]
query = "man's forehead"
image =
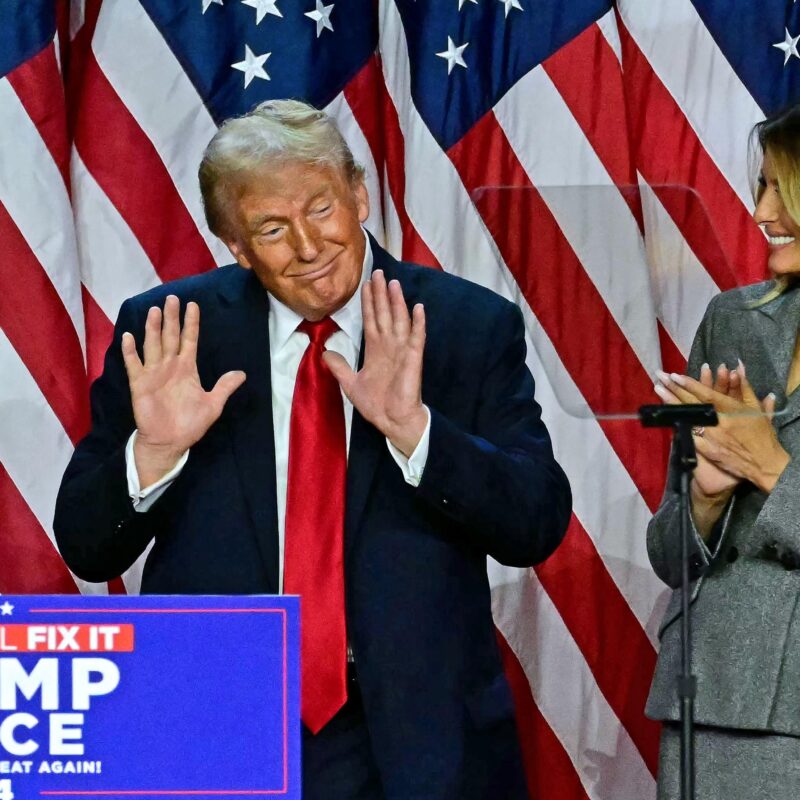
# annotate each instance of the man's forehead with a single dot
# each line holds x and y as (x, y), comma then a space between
(293, 177)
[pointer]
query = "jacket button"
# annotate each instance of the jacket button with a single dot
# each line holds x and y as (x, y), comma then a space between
(790, 560)
(695, 562)
(732, 554)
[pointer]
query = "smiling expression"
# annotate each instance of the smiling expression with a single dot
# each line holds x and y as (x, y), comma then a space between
(298, 227)
(783, 233)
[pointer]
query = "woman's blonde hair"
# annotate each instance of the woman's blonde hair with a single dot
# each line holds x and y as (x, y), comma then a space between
(779, 137)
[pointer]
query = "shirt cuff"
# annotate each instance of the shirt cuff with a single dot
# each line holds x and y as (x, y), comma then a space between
(413, 466)
(143, 499)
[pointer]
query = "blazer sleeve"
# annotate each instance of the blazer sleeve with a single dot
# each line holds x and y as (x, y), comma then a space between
(776, 534)
(97, 530)
(500, 484)
(663, 532)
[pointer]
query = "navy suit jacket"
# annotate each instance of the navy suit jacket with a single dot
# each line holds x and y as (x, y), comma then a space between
(439, 710)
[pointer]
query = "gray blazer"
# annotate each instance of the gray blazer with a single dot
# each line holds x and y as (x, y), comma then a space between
(746, 617)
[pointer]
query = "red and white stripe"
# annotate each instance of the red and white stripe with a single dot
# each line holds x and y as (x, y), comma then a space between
(617, 265)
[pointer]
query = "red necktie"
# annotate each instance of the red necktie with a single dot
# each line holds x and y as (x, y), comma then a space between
(314, 538)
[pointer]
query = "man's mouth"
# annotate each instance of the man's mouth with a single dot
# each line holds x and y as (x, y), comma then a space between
(317, 272)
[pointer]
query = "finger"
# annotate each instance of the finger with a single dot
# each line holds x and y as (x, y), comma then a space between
(748, 395)
(171, 327)
(735, 386)
(191, 331)
(666, 395)
(722, 380)
(709, 449)
(768, 405)
(225, 387)
(401, 322)
(706, 377)
(673, 384)
(133, 364)
(380, 299)
(340, 370)
(368, 313)
(684, 387)
(417, 338)
(152, 337)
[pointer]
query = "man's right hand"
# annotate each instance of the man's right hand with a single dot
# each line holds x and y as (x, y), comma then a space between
(170, 406)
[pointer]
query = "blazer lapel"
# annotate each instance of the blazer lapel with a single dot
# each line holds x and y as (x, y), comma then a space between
(778, 326)
(367, 443)
(242, 330)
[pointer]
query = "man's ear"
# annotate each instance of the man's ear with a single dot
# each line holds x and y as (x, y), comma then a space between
(238, 252)
(362, 201)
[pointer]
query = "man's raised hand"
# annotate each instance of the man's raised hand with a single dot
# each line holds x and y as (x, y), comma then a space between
(387, 390)
(170, 406)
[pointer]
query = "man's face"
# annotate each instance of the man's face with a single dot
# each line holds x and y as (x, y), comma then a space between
(298, 227)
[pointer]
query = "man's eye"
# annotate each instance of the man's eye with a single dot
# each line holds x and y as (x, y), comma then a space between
(322, 209)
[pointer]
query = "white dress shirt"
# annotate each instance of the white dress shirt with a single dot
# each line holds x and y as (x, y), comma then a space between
(286, 348)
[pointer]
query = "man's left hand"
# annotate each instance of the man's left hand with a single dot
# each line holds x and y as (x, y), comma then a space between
(387, 390)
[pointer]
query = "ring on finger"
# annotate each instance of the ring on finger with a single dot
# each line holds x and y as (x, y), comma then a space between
(698, 430)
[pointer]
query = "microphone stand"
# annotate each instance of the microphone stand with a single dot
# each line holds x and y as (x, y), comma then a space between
(682, 418)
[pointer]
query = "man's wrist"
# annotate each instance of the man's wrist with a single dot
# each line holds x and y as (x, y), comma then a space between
(406, 436)
(153, 461)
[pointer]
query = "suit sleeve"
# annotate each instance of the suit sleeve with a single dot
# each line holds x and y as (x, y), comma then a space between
(500, 483)
(97, 530)
(663, 532)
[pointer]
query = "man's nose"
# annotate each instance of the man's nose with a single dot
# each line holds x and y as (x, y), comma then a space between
(307, 241)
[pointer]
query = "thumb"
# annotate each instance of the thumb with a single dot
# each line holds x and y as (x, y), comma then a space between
(226, 386)
(340, 370)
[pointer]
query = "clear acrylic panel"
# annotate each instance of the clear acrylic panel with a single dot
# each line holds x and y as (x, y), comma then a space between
(618, 279)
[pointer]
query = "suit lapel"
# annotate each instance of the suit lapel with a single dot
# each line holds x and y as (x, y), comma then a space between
(242, 328)
(367, 443)
(778, 325)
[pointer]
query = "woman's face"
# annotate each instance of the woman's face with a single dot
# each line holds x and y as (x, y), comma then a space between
(783, 233)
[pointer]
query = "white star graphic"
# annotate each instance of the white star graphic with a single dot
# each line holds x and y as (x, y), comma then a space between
(789, 47)
(322, 16)
(509, 4)
(208, 3)
(252, 66)
(453, 55)
(263, 7)
(461, 3)
(6, 609)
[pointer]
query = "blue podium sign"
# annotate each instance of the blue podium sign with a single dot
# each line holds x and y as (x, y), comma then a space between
(151, 697)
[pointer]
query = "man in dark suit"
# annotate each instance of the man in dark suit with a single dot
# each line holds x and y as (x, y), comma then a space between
(378, 503)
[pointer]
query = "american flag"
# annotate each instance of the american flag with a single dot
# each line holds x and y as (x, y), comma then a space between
(107, 105)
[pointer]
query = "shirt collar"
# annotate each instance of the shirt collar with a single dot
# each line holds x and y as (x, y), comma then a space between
(283, 321)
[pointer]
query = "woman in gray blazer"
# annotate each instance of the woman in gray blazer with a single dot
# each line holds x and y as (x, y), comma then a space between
(745, 497)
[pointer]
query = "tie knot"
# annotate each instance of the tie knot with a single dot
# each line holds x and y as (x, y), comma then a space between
(319, 332)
